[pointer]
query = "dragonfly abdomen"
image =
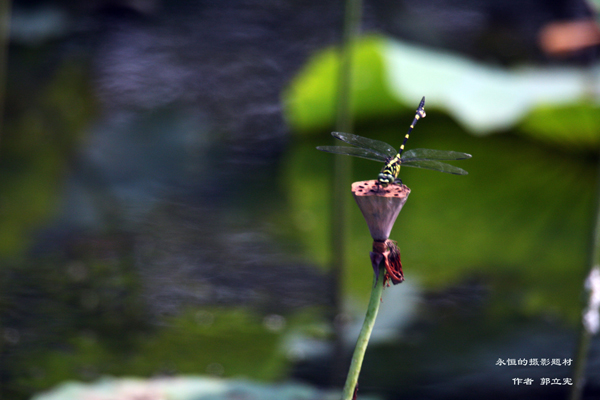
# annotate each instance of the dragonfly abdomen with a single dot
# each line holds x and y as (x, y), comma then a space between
(391, 169)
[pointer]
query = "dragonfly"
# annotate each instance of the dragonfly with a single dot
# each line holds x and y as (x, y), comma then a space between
(377, 150)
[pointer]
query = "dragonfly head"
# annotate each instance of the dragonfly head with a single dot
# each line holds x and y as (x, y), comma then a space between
(385, 178)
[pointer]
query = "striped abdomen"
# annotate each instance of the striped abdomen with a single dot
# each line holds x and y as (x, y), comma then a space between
(391, 169)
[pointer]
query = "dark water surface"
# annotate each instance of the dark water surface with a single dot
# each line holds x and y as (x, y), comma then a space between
(158, 218)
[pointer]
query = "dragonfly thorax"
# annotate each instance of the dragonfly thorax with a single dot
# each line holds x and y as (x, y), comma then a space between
(390, 171)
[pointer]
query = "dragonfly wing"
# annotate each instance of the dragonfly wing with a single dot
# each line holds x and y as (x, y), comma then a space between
(353, 151)
(433, 165)
(430, 154)
(375, 146)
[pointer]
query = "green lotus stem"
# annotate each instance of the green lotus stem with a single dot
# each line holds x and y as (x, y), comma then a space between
(365, 334)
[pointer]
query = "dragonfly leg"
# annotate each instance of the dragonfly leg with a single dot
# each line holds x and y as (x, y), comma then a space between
(398, 181)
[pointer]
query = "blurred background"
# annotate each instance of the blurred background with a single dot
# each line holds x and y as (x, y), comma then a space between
(164, 212)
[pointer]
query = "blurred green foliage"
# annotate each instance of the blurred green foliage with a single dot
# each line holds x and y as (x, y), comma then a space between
(95, 324)
(59, 307)
(575, 126)
(38, 139)
(310, 98)
(534, 110)
(200, 341)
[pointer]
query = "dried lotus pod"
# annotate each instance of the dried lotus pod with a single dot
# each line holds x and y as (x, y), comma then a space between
(380, 206)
